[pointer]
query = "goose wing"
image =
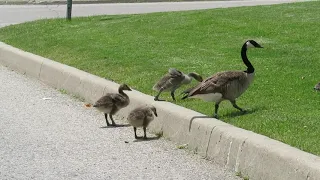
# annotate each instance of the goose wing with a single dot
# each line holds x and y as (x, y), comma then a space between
(217, 83)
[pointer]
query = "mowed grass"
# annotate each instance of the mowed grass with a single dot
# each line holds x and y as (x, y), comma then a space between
(139, 49)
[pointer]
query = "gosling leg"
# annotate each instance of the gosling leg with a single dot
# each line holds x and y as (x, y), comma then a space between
(172, 95)
(145, 133)
(135, 132)
(113, 123)
(156, 98)
(106, 116)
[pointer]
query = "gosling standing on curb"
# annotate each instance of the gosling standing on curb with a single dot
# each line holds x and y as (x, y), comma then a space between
(141, 117)
(111, 103)
(227, 85)
(173, 80)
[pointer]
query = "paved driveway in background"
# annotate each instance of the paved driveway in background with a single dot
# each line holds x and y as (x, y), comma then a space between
(12, 14)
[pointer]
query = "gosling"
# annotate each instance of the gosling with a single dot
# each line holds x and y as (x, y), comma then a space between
(111, 103)
(141, 117)
(172, 81)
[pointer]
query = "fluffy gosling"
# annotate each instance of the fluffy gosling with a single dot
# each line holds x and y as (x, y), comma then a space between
(141, 117)
(172, 81)
(111, 103)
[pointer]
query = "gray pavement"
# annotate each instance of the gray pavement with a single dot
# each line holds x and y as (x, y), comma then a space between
(60, 138)
(10, 14)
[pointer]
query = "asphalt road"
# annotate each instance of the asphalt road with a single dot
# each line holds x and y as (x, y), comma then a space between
(17, 14)
(45, 134)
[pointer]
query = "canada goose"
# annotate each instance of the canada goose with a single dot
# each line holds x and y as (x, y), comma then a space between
(227, 85)
(317, 87)
(111, 103)
(172, 81)
(141, 117)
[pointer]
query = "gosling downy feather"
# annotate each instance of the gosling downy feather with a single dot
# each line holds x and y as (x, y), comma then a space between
(173, 80)
(227, 85)
(111, 103)
(141, 117)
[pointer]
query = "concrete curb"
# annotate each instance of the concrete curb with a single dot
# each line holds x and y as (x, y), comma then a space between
(254, 155)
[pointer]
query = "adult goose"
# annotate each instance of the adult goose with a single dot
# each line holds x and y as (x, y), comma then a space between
(111, 103)
(172, 81)
(227, 85)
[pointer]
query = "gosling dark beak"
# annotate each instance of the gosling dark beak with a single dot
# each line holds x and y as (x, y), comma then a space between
(156, 114)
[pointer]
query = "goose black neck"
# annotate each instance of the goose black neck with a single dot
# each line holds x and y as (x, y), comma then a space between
(245, 59)
(120, 90)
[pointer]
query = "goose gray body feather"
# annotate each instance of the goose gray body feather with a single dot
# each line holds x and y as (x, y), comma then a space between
(112, 102)
(227, 85)
(141, 116)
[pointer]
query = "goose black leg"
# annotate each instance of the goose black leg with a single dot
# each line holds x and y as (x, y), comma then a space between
(135, 132)
(145, 132)
(236, 106)
(216, 107)
(156, 98)
(113, 123)
(106, 116)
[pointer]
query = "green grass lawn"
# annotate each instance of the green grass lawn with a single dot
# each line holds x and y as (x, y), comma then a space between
(139, 49)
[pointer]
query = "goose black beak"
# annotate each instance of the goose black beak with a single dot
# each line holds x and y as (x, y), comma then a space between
(156, 114)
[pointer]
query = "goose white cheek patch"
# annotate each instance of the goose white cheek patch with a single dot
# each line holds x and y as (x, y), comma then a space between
(249, 45)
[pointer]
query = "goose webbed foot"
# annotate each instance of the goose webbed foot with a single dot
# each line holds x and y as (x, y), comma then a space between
(135, 133)
(113, 123)
(215, 116)
(236, 106)
(157, 99)
(244, 111)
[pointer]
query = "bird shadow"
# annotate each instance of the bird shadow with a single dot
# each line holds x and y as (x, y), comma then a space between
(229, 115)
(241, 113)
(117, 126)
(148, 139)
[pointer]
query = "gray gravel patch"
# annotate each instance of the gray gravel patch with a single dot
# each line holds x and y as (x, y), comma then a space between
(60, 138)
